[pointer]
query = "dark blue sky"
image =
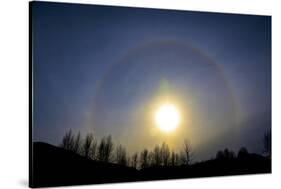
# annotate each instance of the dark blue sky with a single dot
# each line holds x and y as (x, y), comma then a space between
(101, 68)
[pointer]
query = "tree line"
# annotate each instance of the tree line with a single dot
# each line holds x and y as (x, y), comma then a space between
(106, 151)
(161, 155)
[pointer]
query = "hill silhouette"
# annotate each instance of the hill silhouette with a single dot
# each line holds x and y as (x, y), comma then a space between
(55, 166)
(253, 164)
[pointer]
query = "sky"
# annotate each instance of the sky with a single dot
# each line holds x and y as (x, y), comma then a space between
(106, 69)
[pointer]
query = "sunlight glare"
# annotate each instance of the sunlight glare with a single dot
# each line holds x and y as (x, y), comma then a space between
(167, 117)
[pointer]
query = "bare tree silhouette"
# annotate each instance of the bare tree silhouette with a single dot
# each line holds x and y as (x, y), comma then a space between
(225, 154)
(108, 148)
(243, 152)
(267, 143)
(77, 144)
(93, 149)
(128, 161)
(105, 149)
(121, 155)
(87, 145)
(144, 159)
(134, 160)
(150, 159)
(173, 158)
(156, 156)
(177, 159)
(165, 153)
(228, 154)
(68, 141)
(186, 154)
(101, 150)
(220, 155)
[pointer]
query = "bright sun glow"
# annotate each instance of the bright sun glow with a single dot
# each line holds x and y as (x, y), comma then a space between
(167, 117)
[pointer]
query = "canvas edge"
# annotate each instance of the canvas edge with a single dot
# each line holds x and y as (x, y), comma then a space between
(30, 95)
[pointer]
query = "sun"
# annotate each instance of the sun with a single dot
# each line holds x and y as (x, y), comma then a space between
(167, 117)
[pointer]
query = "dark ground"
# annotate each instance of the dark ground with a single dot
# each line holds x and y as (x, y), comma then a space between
(53, 166)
